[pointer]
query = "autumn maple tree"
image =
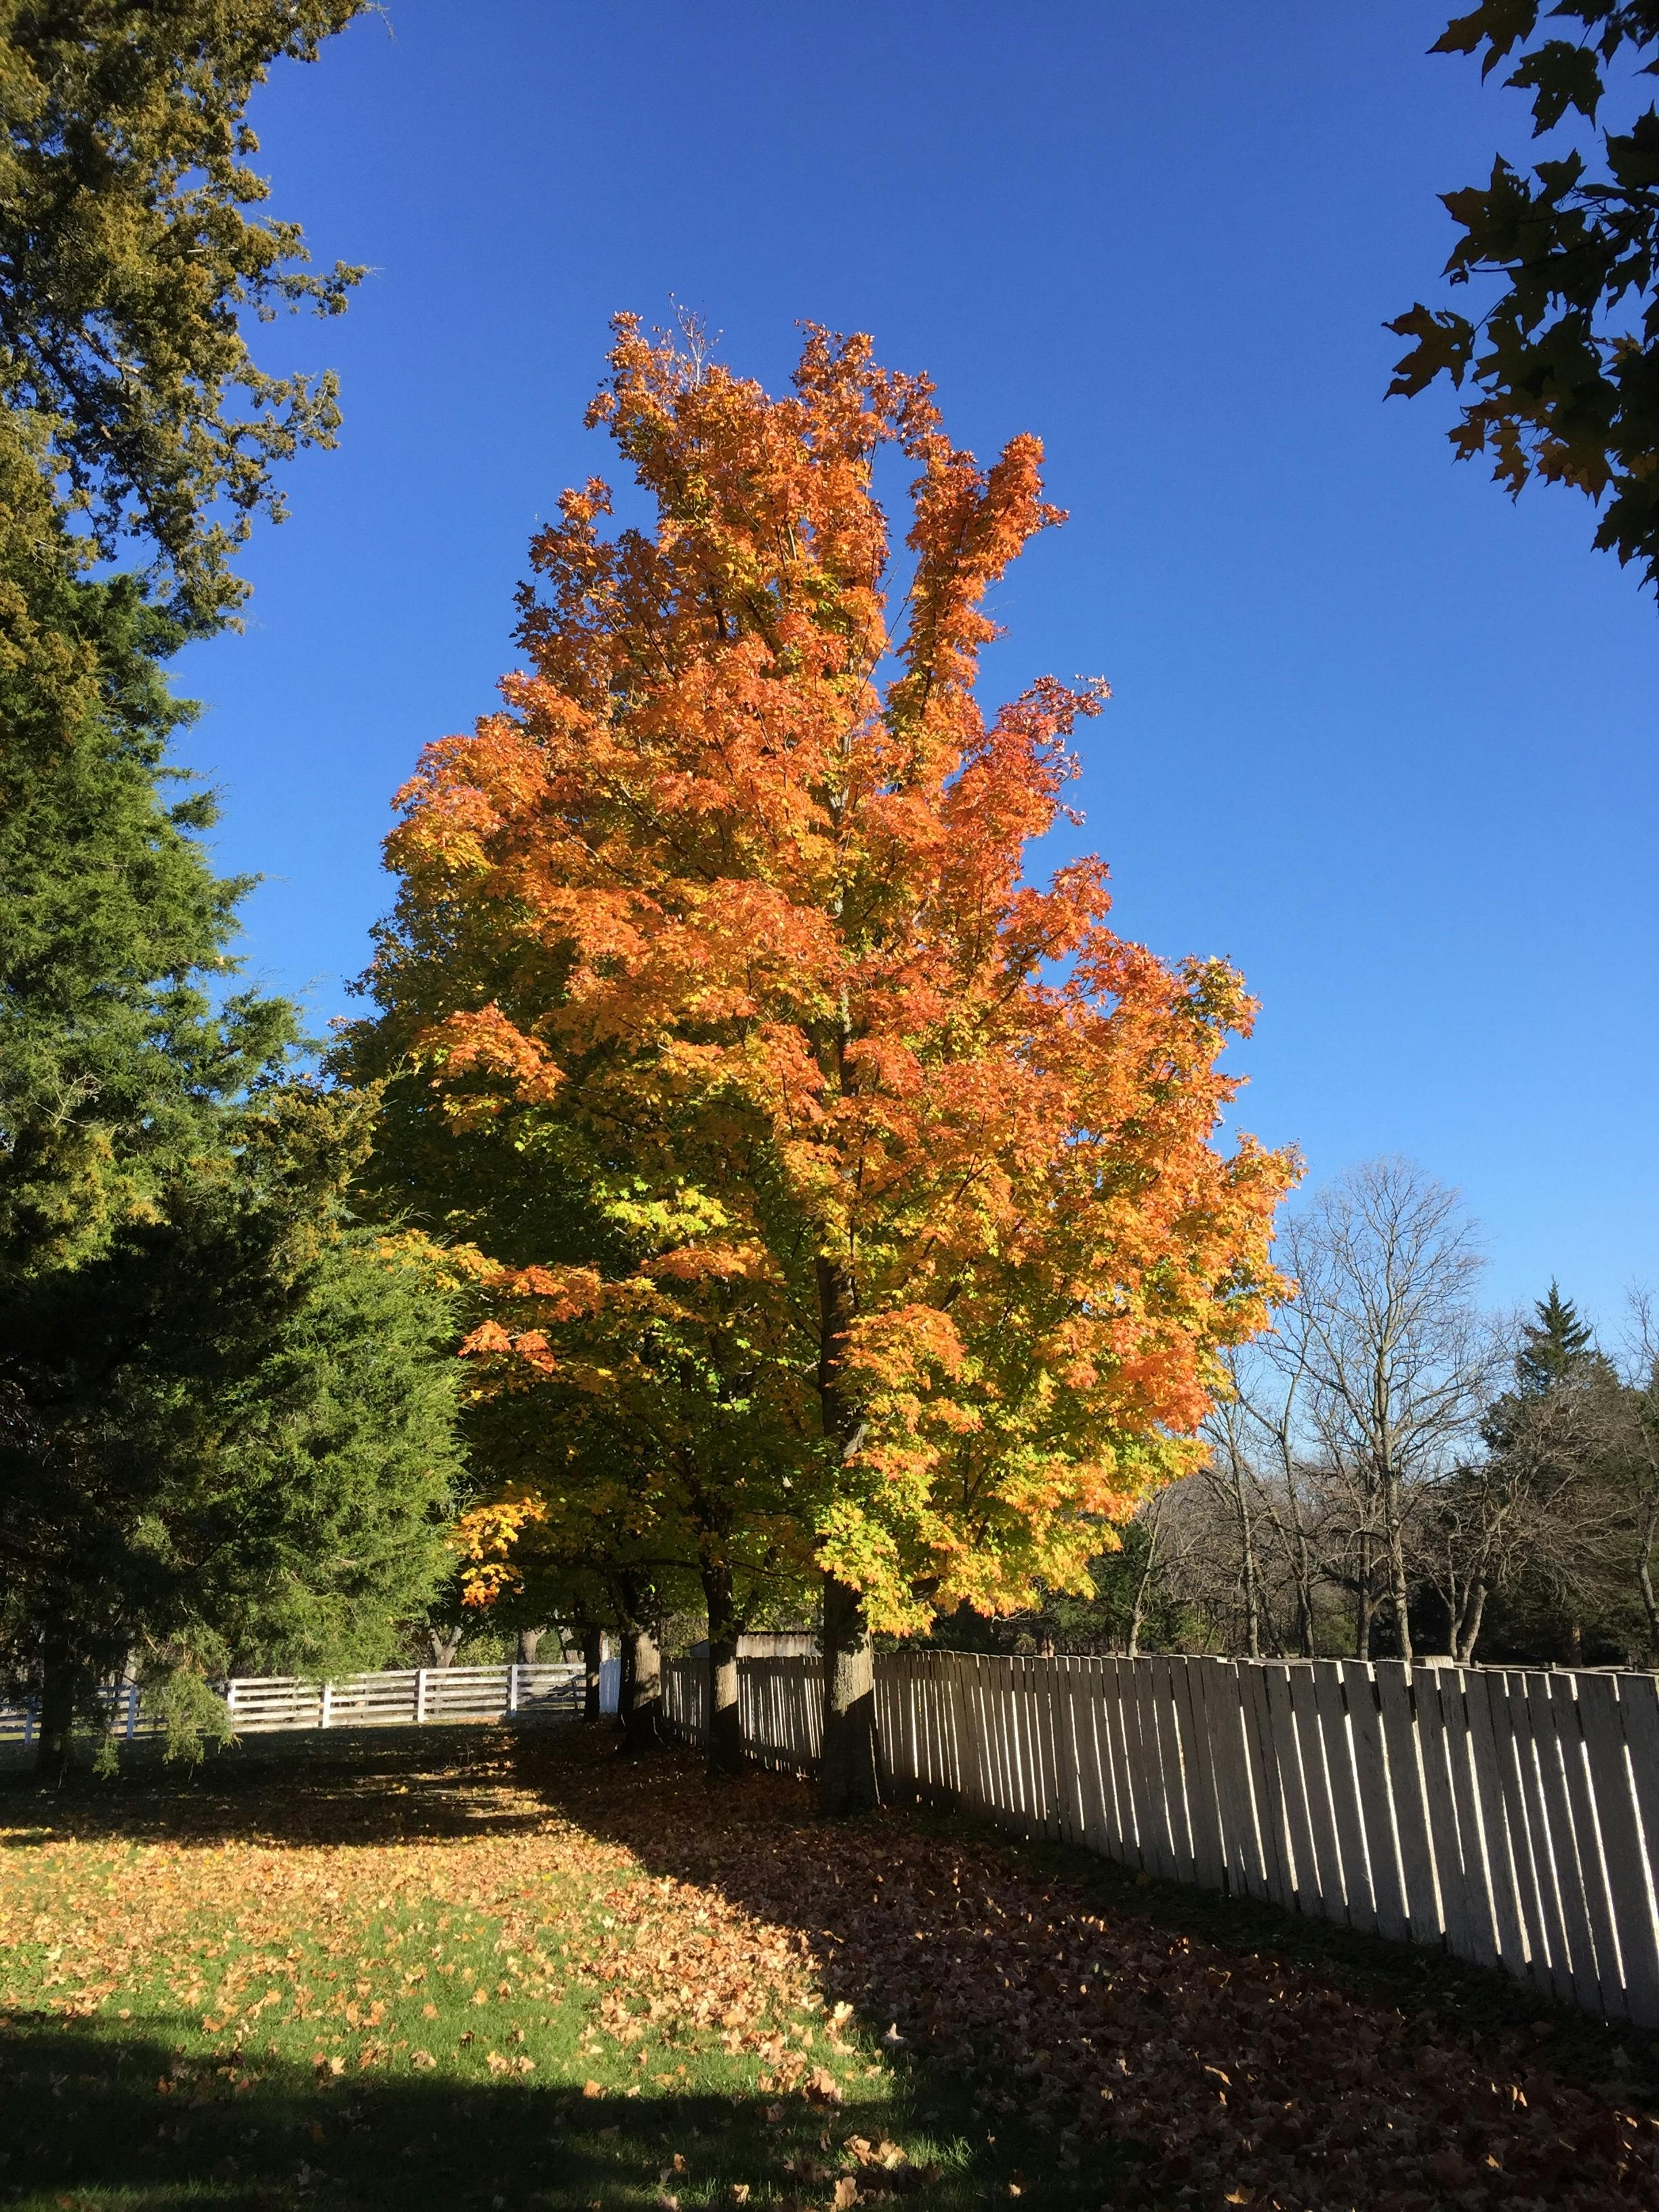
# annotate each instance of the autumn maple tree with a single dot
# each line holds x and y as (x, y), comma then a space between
(723, 920)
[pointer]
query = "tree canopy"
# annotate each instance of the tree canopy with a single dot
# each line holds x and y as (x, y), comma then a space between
(727, 914)
(132, 244)
(1563, 362)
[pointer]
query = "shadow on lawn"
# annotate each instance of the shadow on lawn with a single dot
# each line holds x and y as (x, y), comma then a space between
(767, 1818)
(94, 2117)
(365, 1786)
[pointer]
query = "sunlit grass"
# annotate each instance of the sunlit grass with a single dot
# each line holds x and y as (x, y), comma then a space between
(421, 1987)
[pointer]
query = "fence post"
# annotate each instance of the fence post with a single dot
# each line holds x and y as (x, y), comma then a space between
(132, 1710)
(513, 1687)
(28, 1726)
(420, 1696)
(326, 1719)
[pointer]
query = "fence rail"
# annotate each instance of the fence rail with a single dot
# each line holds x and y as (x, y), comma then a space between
(407, 1697)
(1509, 1817)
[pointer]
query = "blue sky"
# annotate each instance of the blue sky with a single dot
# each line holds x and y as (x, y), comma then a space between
(1383, 737)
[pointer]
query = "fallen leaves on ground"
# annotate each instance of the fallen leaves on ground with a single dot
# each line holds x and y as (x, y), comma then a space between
(666, 1927)
(1254, 2084)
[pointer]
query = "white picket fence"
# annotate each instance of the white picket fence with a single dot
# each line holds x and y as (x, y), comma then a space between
(406, 1697)
(1507, 1816)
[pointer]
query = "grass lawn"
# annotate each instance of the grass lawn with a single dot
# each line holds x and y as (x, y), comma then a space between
(471, 1968)
(392, 1974)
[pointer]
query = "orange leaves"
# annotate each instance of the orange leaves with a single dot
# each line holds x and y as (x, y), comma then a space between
(742, 933)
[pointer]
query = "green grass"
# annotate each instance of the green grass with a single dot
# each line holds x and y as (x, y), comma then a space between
(391, 1979)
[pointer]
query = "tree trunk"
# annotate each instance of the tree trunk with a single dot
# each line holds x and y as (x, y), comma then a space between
(641, 1698)
(1467, 1630)
(1249, 1578)
(1365, 1602)
(592, 1661)
(724, 1714)
(445, 1643)
(1644, 1578)
(1402, 1597)
(1394, 1550)
(1575, 1643)
(1138, 1610)
(848, 1780)
(1304, 1581)
(528, 1640)
(59, 1685)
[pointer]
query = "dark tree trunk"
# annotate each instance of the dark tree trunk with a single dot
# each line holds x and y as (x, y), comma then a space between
(1575, 1644)
(592, 1661)
(60, 1683)
(724, 1714)
(641, 1697)
(1467, 1631)
(849, 1779)
(529, 1640)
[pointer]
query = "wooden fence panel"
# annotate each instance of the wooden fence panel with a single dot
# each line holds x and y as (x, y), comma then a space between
(1585, 1953)
(1609, 1847)
(1406, 1788)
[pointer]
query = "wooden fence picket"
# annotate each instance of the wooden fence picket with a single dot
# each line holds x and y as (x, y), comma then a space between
(1408, 1792)
(1586, 1951)
(1329, 1892)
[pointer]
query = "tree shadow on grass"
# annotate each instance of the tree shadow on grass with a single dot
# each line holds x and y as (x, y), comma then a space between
(1264, 2055)
(363, 1786)
(99, 2116)
(110, 2115)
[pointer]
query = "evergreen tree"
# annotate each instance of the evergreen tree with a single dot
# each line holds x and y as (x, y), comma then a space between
(1555, 1346)
(127, 259)
(226, 1412)
(228, 1438)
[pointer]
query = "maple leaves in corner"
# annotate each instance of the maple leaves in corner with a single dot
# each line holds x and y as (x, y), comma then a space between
(902, 1159)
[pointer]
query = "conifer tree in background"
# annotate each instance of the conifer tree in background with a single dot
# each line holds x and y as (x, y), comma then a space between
(726, 918)
(225, 1415)
(1554, 1347)
(227, 1440)
(133, 242)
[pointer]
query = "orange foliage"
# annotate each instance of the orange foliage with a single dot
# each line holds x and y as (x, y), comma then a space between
(741, 868)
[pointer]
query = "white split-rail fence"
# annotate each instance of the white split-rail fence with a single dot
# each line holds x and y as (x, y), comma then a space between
(404, 1697)
(1508, 1816)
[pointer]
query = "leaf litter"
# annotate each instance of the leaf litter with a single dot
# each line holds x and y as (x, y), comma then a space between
(622, 1932)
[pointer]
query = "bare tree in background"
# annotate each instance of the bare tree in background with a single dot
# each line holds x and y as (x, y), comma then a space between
(1533, 1501)
(1265, 1487)
(1633, 1457)
(1398, 1363)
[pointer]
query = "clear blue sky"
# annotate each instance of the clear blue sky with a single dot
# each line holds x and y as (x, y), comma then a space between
(1386, 740)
